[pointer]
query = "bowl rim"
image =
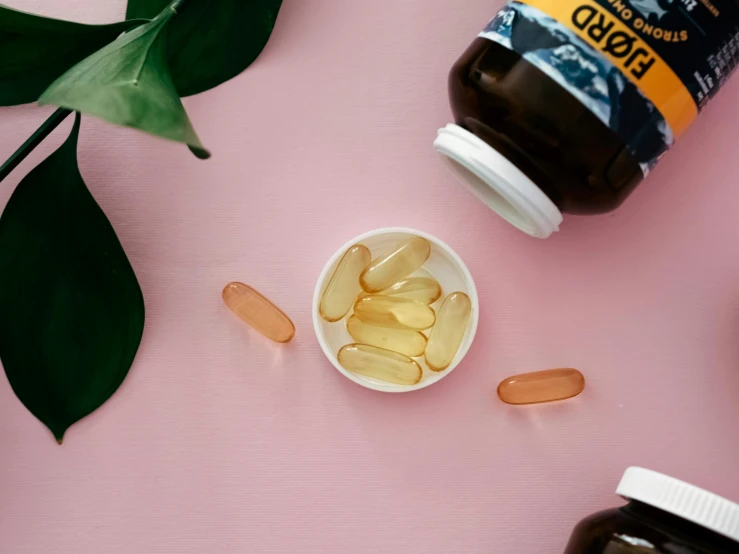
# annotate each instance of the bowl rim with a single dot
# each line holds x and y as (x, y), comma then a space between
(472, 293)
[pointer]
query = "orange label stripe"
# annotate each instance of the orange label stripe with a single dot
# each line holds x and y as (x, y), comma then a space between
(625, 49)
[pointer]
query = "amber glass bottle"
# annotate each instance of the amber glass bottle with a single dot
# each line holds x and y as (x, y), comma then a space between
(549, 120)
(663, 516)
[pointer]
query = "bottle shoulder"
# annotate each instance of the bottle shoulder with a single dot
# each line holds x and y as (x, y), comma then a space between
(579, 163)
(642, 530)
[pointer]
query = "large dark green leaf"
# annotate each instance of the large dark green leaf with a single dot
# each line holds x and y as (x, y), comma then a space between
(36, 50)
(71, 310)
(212, 41)
(127, 83)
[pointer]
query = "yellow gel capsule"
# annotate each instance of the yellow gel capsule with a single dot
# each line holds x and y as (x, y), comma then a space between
(258, 312)
(541, 386)
(379, 363)
(343, 288)
(447, 334)
(423, 289)
(397, 313)
(390, 268)
(410, 343)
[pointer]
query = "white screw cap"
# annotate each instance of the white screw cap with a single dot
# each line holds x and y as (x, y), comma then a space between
(681, 499)
(496, 181)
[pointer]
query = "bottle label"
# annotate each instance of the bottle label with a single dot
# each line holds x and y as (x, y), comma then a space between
(645, 68)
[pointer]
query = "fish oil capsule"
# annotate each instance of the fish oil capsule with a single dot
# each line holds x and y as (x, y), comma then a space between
(447, 334)
(258, 312)
(423, 289)
(379, 363)
(410, 343)
(397, 313)
(390, 268)
(541, 386)
(343, 288)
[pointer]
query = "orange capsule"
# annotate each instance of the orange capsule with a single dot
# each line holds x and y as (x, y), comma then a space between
(258, 312)
(541, 386)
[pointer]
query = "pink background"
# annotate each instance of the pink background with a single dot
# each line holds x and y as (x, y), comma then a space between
(222, 442)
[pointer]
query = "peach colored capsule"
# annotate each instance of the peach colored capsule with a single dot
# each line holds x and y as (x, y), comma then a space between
(258, 312)
(390, 268)
(423, 289)
(447, 334)
(541, 386)
(379, 363)
(397, 313)
(407, 342)
(343, 288)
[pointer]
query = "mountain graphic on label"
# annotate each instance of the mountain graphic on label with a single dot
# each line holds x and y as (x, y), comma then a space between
(649, 7)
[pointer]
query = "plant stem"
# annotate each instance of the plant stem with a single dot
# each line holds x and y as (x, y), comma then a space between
(35, 139)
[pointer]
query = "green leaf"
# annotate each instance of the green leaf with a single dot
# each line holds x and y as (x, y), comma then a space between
(212, 41)
(128, 83)
(71, 310)
(36, 50)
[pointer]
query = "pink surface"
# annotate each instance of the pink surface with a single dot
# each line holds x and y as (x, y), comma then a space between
(221, 442)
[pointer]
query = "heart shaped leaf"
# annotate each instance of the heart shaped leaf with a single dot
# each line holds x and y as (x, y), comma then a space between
(36, 50)
(128, 83)
(212, 41)
(71, 310)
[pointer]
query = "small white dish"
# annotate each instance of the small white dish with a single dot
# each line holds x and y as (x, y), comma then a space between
(444, 265)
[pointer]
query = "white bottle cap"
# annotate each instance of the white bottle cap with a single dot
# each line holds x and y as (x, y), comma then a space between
(497, 182)
(681, 499)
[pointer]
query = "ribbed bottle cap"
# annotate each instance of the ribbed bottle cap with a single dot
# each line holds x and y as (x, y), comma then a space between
(681, 499)
(498, 182)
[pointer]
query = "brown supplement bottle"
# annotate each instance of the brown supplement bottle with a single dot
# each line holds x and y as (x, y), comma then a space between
(566, 105)
(663, 516)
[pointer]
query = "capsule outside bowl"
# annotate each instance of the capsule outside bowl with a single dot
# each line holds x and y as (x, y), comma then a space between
(444, 265)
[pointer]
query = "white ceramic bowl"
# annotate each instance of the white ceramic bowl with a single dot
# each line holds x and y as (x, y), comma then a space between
(444, 265)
